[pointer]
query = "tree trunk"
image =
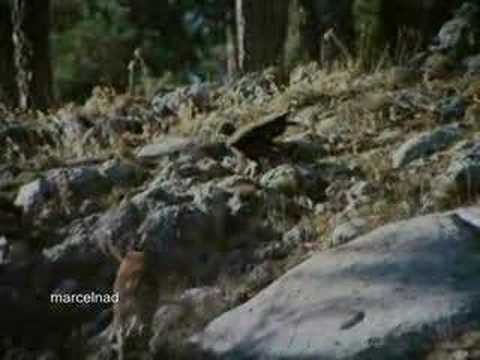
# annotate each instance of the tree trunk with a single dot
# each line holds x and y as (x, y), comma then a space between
(261, 30)
(7, 77)
(300, 43)
(31, 39)
(231, 46)
(272, 32)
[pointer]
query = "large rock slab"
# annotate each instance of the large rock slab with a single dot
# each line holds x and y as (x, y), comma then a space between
(382, 296)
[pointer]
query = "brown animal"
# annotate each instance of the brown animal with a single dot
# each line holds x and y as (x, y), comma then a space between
(138, 291)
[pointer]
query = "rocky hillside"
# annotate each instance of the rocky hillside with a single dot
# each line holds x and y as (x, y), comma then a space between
(227, 187)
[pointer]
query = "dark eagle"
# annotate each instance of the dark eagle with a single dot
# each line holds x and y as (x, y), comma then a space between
(258, 138)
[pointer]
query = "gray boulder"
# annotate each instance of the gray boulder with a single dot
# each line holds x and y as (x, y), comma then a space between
(159, 230)
(121, 173)
(460, 36)
(158, 193)
(77, 246)
(425, 144)
(116, 230)
(297, 179)
(82, 182)
(183, 241)
(32, 195)
(383, 296)
(171, 102)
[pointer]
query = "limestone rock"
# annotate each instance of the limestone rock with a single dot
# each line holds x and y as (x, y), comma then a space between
(400, 284)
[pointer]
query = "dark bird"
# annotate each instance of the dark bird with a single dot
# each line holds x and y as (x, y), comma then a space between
(254, 139)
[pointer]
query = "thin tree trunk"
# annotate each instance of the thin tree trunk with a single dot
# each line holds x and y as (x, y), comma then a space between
(7, 67)
(31, 30)
(275, 32)
(300, 43)
(232, 56)
(39, 18)
(23, 54)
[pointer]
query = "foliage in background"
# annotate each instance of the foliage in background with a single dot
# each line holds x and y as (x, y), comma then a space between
(93, 41)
